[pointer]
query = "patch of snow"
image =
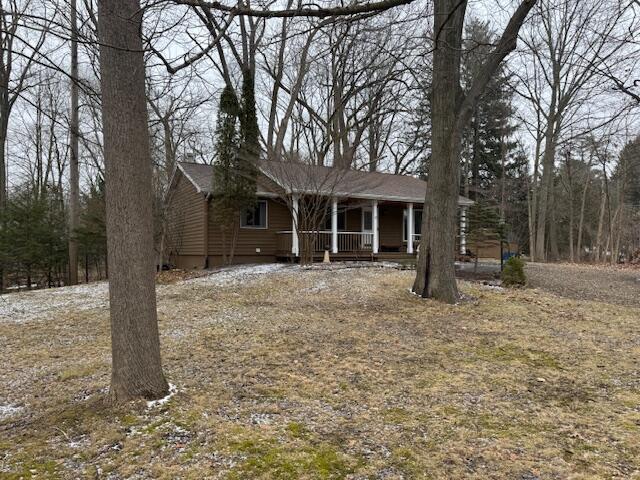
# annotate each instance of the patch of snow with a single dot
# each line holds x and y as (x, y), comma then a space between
(351, 265)
(46, 303)
(7, 411)
(496, 288)
(237, 274)
(161, 401)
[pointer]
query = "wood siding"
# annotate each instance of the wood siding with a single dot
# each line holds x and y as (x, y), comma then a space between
(192, 246)
(250, 239)
(185, 224)
(491, 249)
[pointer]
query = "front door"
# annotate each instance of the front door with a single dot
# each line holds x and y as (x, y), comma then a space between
(367, 227)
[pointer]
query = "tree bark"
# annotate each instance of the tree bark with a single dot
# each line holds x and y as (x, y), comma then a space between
(583, 204)
(436, 270)
(135, 345)
(546, 185)
(4, 114)
(554, 252)
(571, 210)
(603, 206)
(74, 179)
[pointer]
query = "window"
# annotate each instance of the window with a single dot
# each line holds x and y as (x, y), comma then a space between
(342, 221)
(367, 220)
(417, 223)
(255, 217)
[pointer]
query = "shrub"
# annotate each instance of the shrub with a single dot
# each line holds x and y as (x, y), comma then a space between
(513, 273)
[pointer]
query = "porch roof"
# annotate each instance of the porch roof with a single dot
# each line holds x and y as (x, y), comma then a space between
(319, 180)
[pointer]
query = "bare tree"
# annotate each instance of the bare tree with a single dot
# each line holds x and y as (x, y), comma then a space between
(74, 173)
(17, 57)
(568, 46)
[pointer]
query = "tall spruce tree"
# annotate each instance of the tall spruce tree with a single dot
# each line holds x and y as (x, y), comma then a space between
(486, 139)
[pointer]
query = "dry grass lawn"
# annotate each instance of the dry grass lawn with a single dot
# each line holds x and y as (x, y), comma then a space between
(327, 374)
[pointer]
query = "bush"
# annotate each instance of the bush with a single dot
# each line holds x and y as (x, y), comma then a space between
(513, 273)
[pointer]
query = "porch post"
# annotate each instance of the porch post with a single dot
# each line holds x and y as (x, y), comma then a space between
(463, 230)
(374, 215)
(295, 245)
(334, 226)
(410, 224)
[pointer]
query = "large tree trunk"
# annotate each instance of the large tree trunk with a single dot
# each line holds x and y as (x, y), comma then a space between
(436, 269)
(74, 181)
(135, 345)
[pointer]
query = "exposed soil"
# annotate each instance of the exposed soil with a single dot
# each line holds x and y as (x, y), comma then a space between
(287, 373)
(618, 286)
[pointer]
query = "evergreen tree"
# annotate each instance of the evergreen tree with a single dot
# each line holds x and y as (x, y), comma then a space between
(233, 172)
(91, 233)
(246, 161)
(486, 143)
(628, 171)
(419, 134)
(484, 227)
(33, 240)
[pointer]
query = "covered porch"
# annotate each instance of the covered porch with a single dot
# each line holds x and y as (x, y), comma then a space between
(361, 229)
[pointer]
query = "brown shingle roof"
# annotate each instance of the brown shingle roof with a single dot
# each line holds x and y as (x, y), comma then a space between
(313, 179)
(201, 176)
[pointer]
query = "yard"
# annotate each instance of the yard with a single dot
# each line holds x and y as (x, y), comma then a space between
(283, 372)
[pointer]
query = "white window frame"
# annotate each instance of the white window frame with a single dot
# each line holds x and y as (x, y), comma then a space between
(266, 218)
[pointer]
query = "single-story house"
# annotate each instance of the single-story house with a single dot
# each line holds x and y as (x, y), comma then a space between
(369, 215)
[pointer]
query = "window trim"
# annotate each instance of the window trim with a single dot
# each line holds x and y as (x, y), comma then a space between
(266, 217)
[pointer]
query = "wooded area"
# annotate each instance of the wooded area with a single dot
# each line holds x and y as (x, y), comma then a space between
(529, 108)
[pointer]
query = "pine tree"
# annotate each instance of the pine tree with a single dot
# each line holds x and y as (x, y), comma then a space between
(33, 241)
(420, 133)
(233, 171)
(91, 233)
(629, 167)
(484, 227)
(486, 141)
(246, 161)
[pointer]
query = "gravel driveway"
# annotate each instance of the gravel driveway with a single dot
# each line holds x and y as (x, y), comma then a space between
(587, 282)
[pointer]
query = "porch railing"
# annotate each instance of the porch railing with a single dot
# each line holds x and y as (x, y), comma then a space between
(319, 241)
